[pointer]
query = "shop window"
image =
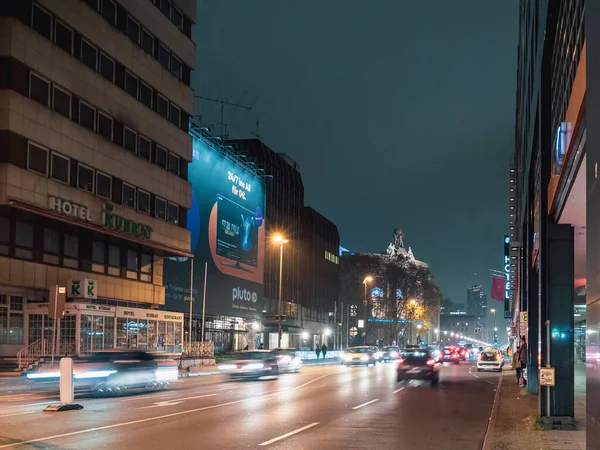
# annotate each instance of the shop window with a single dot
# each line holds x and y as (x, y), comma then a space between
(63, 36)
(162, 106)
(39, 89)
(130, 140)
(105, 126)
(128, 195)
(60, 168)
(23, 240)
(173, 213)
(51, 246)
(89, 55)
(143, 203)
(161, 157)
(87, 116)
(107, 67)
(61, 101)
(131, 84)
(164, 56)
(37, 159)
(147, 41)
(41, 21)
(133, 30)
(85, 178)
(175, 115)
(71, 251)
(16, 322)
(104, 185)
(4, 235)
(160, 208)
(174, 163)
(144, 147)
(146, 94)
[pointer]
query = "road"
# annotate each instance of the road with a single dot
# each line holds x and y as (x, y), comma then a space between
(323, 407)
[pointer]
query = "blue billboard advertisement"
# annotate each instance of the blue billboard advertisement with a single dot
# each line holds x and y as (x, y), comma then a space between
(227, 227)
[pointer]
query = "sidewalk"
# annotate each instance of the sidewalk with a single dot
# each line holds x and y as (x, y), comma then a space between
(513, 425)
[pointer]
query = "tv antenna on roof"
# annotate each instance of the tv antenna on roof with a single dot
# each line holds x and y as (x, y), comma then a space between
(223, 104)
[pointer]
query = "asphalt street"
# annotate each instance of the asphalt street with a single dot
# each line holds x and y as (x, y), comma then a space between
(323, 407)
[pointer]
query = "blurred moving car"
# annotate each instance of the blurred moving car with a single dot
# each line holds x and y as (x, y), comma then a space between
(419, 364)
(261, 363)
(389, 354)
(490, 359)
(360, 356)
(450, 354)
(463, 353)
(116, 371)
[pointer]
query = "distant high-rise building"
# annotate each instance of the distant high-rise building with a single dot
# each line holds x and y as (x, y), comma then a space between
(476, 301)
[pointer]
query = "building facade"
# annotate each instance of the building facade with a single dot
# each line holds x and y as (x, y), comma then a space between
(476, 302)
(95, 101)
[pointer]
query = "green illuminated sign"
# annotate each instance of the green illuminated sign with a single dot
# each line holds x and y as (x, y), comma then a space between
(123, 225)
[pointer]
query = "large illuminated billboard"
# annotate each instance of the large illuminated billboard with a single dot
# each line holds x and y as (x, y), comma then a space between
(227, 227)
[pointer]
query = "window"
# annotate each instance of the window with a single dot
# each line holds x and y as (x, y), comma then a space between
(85, 178)
(165, 8)
(107, 67)
(145, 94)
(177, 18)
(164, 56)
(160, 208)
(71, 246)
(143, 203)
(109, 11)
(87, 116)
(59, 168)
(131, 84)
(105, 126)
(41, 21)
(173, 213)
(147, 41)
(130, 140)
(132, 260)
(37, 159)
(61, 101)
(174, 163)
(128, 195)
(114, 256)
(176, 66)
(133, 30)
(4, 235)
(51, 246)
(146, 267)
(144, 147)
(98, 252)
(63, 36)
(93, 4)
(23, 240)
(162, 106)
(103, 185)
(39, 89)
(89, 54)
(175, 115)
(161, 157)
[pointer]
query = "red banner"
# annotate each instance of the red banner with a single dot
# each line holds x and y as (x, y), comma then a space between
(498, 288)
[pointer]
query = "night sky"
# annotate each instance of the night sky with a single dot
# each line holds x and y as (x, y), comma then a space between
(400, 114)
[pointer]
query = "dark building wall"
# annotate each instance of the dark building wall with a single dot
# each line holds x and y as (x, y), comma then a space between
(320, 269)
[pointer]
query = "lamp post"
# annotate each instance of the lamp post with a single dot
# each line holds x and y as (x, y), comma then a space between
(280, 240)
(366, 281)
(493, 311)
(412, 302)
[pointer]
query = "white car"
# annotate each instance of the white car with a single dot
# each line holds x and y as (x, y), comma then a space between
(490, 359)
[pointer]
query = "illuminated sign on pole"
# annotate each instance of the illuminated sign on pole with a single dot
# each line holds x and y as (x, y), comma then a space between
(507, 313)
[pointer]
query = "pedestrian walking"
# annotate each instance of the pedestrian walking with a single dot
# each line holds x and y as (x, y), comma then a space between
(324, 350)
(318, 351)
(523, 361)
(516, 364)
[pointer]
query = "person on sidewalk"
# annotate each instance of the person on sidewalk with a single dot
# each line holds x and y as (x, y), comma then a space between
(523, 360)
(318, 351)
(516, 364)
(324, 350)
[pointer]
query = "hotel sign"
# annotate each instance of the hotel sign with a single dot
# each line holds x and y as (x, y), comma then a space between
(120, 224)
(69, 209)
(507, 314)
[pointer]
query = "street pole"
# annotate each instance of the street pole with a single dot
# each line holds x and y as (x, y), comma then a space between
(548, 365)
(191, 302)
(204, 301)
(366, 315)
(54, 327)
(279, 332)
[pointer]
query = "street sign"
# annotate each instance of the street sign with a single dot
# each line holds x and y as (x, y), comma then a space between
(56, 302)
(477, 330)
(274, 318)
(361, 323)
(547, 376)
(523, 316)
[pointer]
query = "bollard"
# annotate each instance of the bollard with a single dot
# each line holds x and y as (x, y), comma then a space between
(67, 390)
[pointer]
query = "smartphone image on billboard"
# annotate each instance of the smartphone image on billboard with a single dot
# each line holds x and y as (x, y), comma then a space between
(237, 233)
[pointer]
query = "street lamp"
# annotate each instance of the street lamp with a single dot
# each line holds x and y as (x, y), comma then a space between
(366, 281)
(493, 311)
(279, 240)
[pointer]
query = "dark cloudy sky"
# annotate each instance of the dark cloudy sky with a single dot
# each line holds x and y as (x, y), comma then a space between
(400, 113)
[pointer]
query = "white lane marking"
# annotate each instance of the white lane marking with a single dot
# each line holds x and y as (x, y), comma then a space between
(19, 414)
(175, 401)
(398, 390)
(365, 404)
(152, 419)
(283, 436)
(491, 382)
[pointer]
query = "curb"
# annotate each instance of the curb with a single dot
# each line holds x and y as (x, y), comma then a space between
(487, 441)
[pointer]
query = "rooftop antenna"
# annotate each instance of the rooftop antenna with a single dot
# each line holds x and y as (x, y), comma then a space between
(223, 103)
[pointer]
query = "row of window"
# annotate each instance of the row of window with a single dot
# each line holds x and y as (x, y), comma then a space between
(171, 12)
(42, 21)
(331, 257)
(58, 167)
(63, 249)
(61, 101)
(142, 37)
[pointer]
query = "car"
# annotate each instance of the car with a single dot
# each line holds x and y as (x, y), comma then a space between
(450, 354)
(389, 354)
(418, 364)
(257, 364)
(463, 353)
(360, 356)
(117, 371)
(490, 359)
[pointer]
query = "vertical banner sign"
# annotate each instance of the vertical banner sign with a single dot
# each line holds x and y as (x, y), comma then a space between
(506, 267)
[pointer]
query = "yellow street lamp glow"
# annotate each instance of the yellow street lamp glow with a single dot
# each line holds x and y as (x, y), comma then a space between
(493, 311)
(279, 239)
(368, 279)
(413, 302)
